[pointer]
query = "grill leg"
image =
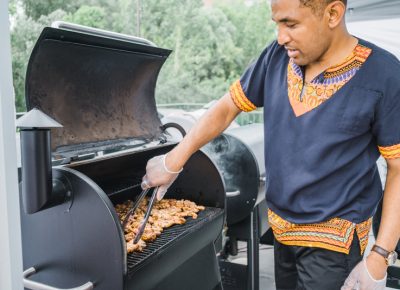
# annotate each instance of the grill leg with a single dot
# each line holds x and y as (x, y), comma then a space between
(253, 265)
(238, 276)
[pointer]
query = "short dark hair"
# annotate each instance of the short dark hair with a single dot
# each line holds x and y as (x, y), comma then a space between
(318, 5)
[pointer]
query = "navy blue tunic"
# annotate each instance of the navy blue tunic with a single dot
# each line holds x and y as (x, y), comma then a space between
(322, 164)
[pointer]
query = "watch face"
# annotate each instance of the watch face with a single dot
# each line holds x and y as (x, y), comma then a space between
(392, 258)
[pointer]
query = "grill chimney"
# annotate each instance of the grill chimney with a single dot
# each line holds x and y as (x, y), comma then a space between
(37, 183)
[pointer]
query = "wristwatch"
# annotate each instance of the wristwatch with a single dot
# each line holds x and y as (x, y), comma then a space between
(390, 257)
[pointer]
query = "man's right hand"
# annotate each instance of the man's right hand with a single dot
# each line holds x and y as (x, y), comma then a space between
(157, 174)
(213, 123)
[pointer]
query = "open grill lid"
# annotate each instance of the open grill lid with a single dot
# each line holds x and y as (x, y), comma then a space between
(99, 88)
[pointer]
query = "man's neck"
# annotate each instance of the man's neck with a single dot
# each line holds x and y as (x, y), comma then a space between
(335, 54)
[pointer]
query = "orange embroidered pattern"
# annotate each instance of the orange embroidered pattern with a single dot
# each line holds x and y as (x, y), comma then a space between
(335, 234)
(390, 152)
(240, 99)
(317, 92)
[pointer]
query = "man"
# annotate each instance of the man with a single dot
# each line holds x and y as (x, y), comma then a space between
(331, 106)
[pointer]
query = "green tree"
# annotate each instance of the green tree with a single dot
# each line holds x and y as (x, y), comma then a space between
(37, 8)
(26, 31)
(92, 16)
(211, 46)
(23, 38)
(254, 27)
(201, 63)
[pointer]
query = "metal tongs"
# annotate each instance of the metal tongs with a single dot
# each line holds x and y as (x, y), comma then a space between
(147, 214)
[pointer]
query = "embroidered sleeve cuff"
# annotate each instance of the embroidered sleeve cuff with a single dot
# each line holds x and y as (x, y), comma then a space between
(240, 99)
(390, 152)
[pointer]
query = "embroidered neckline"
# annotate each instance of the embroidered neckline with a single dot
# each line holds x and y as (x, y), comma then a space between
(326, 84)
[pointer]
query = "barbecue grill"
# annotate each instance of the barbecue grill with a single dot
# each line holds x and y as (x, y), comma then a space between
(239, 155)
(100, 87)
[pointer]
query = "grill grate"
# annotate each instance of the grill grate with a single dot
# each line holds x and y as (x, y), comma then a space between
(137, 259)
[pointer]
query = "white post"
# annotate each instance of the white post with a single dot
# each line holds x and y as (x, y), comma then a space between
(138, 17)
(10, 227)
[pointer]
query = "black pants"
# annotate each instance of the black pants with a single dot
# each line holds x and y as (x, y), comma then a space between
(304, 268)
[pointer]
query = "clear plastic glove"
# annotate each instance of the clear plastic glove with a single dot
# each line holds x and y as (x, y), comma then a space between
(361, 279)
(157, 174)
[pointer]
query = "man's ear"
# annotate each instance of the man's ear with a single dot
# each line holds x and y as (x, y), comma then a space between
(335, 12)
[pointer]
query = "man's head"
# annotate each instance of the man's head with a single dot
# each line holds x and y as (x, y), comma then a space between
(307, 28)
(318, 6)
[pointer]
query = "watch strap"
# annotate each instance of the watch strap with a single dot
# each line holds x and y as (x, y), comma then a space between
(381, 251)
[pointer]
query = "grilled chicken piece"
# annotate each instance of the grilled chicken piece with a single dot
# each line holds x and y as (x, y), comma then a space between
(149, 235)
(129, 236)
(157, 229)
(131, 247)
(188, 213)
(165, 213)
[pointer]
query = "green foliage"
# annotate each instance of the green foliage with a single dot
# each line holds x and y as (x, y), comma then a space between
(88, 15)
(203, 49)
(37, 8)
(23, 38)
(255, 28)
(211, 45)
(12, 7)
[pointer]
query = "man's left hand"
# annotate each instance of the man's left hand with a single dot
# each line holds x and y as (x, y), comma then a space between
(369, 274)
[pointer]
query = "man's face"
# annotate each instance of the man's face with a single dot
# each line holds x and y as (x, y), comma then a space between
(302, 31)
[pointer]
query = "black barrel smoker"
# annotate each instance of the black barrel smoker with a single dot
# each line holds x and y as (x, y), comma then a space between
(100, 87)
(239, 155)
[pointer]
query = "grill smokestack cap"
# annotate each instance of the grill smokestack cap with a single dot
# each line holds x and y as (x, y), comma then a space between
(37, 119)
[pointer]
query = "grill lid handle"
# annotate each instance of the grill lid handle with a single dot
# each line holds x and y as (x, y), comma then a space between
(232, 193)
(33, 285)
(100, 32)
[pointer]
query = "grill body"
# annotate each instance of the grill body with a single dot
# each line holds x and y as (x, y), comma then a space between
(101, 89)
(239, 154)
(82, 240)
